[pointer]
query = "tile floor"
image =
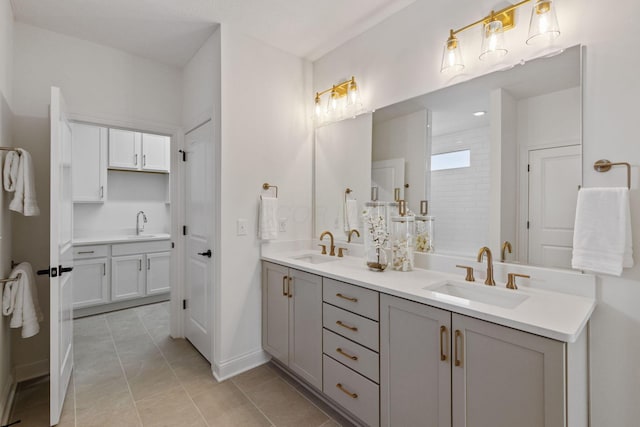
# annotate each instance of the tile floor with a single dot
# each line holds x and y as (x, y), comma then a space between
(129, 372)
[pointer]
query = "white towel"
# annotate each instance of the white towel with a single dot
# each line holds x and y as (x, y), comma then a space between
(602, 234)
(10, 172)
(24, 201)
(351, 215)
(268, 222)
(20, 299)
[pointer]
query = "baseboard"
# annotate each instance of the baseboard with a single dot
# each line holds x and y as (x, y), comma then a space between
(6, 400)
(231, 368)
(29, 371)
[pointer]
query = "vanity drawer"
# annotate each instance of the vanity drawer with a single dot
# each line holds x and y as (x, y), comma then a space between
(362, 301)
(352, 391)
(355, 356)
(356, 328)
(91, 251)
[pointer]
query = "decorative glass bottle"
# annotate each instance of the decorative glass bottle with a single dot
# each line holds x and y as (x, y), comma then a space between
(425, 225)
(402, 240)
(375, 235)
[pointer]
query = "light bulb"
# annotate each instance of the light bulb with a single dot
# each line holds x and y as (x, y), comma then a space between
(543, 26)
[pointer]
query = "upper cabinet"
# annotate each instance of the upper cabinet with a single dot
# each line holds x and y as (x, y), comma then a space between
(138, 151)
(89, 163)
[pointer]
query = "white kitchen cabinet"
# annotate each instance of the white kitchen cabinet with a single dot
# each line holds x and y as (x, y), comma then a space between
(128, 277)
(125, 149)
(292, 320)
(90, 282)
(89, 163)
(155, 153)
(158, 278)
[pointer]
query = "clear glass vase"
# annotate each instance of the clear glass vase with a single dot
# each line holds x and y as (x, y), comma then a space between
(402, 243)
(377, 259)
(425, 229)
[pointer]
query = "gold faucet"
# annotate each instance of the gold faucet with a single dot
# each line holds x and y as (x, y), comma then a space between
(333, 248)
(489, 280)
(351, 233)
(506, 245)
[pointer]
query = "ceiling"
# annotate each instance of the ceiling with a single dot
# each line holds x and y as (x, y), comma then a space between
(171, 31)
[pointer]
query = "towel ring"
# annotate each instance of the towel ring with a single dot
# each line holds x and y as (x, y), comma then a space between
(267, 186)
(604, 165)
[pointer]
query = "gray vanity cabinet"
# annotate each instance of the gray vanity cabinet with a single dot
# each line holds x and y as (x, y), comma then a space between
(292, 320)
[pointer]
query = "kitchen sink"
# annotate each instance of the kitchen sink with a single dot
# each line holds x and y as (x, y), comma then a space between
(465, 294)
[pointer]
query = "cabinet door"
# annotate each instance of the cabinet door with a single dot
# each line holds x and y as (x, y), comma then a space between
(127, 277)
(505, 377)
(89, 163)
(275, 311)
(124, 149)
(90, 282)
(305, 326)
(155, 153)
(158, 277)
(415, 364)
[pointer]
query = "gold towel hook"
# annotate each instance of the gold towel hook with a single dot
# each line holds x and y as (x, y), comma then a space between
(604, 165)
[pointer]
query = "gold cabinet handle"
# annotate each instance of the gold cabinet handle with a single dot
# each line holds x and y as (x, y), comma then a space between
(458, 334)
(347, 355)
(347, 298)
(351, 328)
(347, 392)
(284, 284)
(289, 288)
(443, 334)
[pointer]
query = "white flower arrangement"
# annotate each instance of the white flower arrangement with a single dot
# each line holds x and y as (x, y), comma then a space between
(377, 228)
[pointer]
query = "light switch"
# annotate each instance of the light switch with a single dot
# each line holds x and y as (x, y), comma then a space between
(241, 227)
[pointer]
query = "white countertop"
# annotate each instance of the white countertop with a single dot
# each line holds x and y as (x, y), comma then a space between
(553, 315)
(99, 240)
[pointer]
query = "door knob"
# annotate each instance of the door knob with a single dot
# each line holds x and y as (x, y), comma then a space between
(207, 253)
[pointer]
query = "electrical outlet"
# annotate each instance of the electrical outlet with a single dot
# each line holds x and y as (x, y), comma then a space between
(282, 225)
(241, 227)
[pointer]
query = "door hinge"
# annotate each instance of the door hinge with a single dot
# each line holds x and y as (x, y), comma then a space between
(528, 168)
(527, 225)
(173, 245)
(184, 304)
(184, 155)
(184, 230)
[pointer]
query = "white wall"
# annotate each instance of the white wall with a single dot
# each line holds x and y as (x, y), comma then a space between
(400, 58)
(266, 137)
(100, 85)
(405, 137)
(6, 115)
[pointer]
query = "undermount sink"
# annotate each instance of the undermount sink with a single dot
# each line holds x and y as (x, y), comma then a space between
(465, 294)
(315, 258)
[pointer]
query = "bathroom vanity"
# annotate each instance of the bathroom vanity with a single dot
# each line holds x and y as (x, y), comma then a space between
(426, 347)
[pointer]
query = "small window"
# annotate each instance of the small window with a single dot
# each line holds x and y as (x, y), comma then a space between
(451, 160)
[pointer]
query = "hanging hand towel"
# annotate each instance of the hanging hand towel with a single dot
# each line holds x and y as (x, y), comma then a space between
(351, 216)
(10, 172)
(20, 299)
(602, 234)
(268, 222)
(24, 201)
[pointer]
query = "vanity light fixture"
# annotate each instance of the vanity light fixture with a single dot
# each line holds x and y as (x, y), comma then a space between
(543, 26)
(344, 99)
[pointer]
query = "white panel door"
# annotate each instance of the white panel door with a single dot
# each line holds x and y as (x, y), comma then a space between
(199, 214)
(124, 149)
(90, 163)
(90, 282)
(127, 277)
(554, 178)
(388, 175)
(158, 277)
(155, 153)
(61, 256)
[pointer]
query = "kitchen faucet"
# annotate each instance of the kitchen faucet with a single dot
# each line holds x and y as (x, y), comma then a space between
(140, 229)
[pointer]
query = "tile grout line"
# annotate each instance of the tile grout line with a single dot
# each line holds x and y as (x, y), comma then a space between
(113, 341)
(252, 402)
(171, 367)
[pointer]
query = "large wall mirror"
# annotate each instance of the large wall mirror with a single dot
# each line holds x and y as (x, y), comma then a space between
(499, 159)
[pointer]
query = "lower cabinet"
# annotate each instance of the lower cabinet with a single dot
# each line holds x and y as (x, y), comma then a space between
(127, 277)
(292, 320)
(90, 282)
(158, 278)
(440, 368)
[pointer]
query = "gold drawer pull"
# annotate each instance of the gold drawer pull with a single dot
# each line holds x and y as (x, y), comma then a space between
(347, 392)
(458, 334)
(341, 351)
(347, 298)
(351, 328)
(443, 333)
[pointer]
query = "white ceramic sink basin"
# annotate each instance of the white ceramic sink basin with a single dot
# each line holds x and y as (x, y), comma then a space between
(315, 258)
(465, 294)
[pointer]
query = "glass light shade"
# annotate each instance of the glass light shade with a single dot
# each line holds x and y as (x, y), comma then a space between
(452, 57)
(332, 104)
(543, 26)
(492, 41)
(318, 108)
(353, 94)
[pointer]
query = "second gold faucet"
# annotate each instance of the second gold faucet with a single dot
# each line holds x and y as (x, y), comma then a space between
(332, 246)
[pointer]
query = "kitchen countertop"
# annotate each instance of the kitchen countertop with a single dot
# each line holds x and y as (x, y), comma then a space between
(553, 315)
(131, 238)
